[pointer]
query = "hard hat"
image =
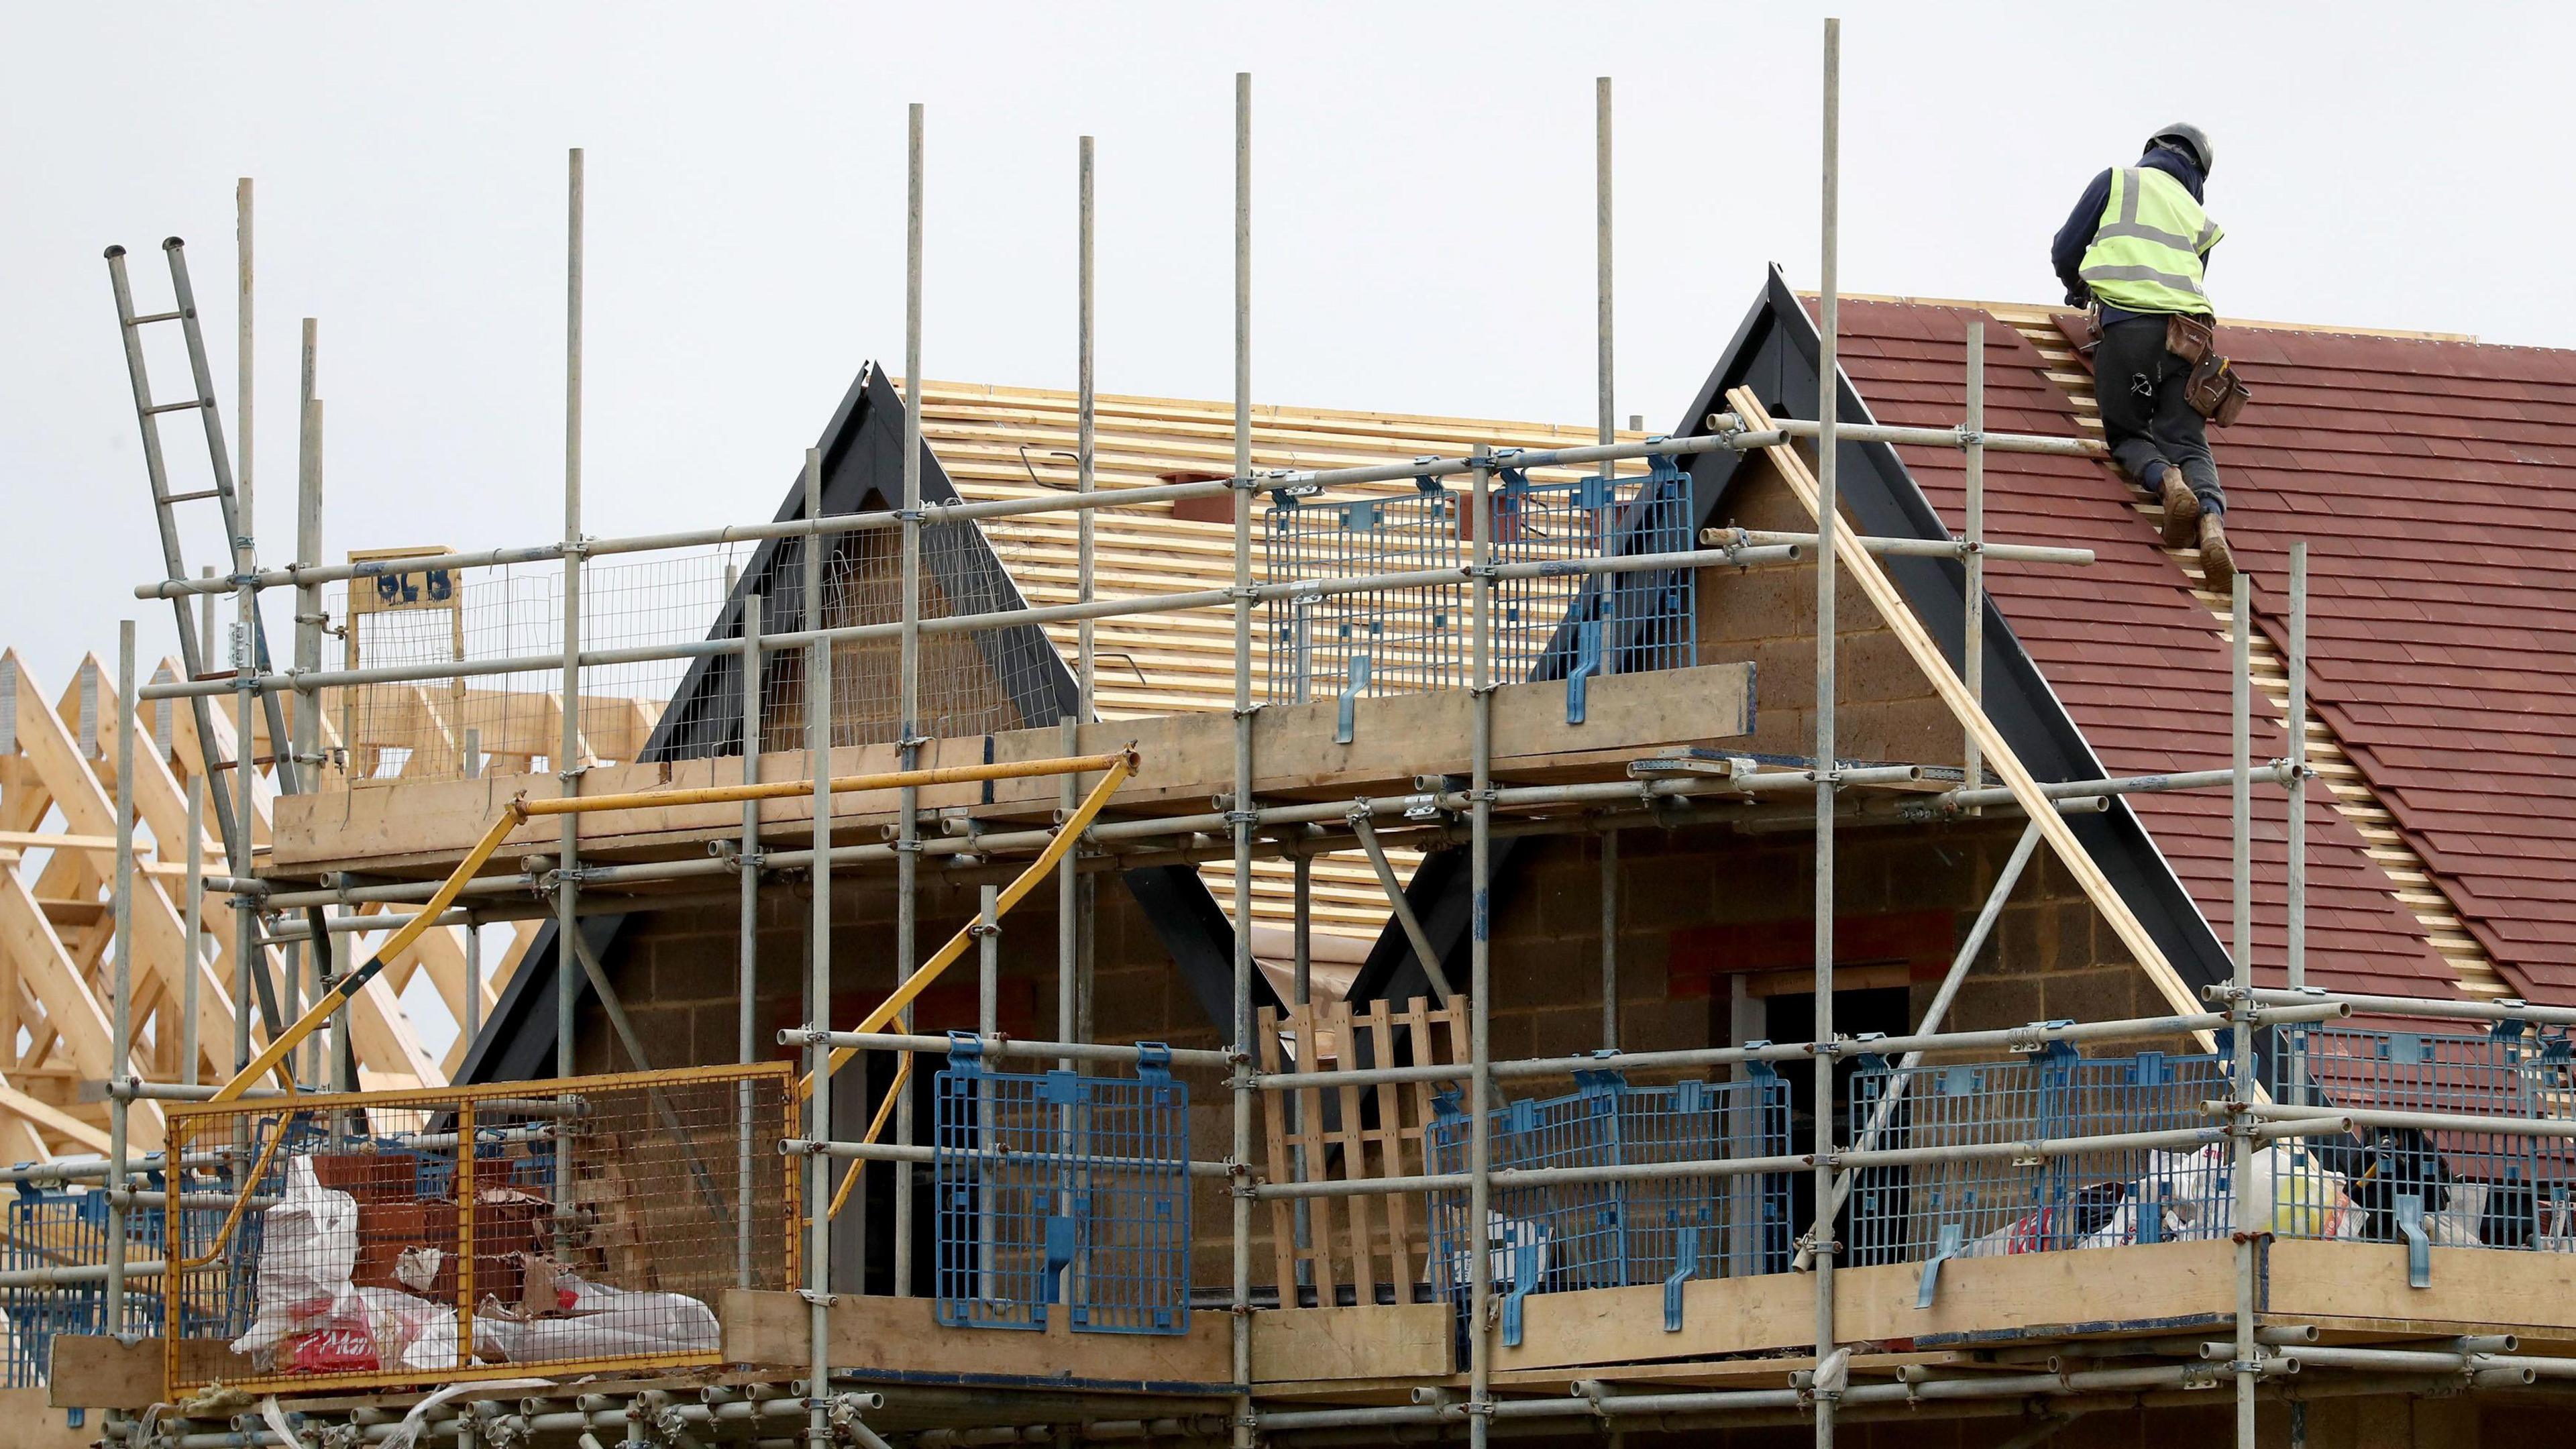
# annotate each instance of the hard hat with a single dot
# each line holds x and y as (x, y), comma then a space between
(2185, 136)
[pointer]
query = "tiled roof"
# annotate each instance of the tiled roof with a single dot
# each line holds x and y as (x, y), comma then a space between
(2428, 477)
(2436, 482)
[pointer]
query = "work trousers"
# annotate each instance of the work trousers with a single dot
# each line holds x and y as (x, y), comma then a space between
(2145, 417)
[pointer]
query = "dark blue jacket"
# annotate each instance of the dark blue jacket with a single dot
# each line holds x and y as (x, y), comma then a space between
(2067, 252)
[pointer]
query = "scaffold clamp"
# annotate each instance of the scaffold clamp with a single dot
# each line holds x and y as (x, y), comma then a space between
(1154, 1063)
(2036, 1038)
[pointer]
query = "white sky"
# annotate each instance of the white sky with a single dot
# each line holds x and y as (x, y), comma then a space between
(1423, 235)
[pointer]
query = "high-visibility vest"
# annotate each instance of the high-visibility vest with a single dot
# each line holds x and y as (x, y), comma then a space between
(2146, 252)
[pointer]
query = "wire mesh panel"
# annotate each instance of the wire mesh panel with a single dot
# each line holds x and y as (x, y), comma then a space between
(973, 681)
(2422, 1183)
(59, 1229)
(1699, 1227)
(1558, 624)
(1377, 641)
(422, 729)
(1562, 1236)
(1582, 626)
(1062, 1188)
(1988, 1205)
(425, 1236)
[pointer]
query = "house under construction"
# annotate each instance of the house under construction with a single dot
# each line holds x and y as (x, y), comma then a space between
(1129, 919)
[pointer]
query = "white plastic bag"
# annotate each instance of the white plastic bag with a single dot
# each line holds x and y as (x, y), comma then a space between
(603, 1322)
(417, 1268)
(308, 1248)
(1520, 1247)
(2291, 1194)
(409, 1332)
(2190, 1190)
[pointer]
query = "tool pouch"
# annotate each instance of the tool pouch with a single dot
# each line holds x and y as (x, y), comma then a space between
(2216, 391)
(2189, 338)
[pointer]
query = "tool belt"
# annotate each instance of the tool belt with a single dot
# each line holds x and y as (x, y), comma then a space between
(2215, 389)
(2189, 338)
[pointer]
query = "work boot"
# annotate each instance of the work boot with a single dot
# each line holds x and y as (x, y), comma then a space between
(2217, 564)
(2182, 510)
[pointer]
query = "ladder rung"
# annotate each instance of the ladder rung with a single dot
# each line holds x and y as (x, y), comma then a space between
(155, 317)
(174, 407)
(193, 497)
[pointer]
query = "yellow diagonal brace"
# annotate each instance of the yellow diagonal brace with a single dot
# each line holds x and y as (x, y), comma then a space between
(876, 1129)
(356, 981)
(1011, 895)
(1121, 765)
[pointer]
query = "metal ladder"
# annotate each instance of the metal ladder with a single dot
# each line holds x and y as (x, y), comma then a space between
(235, 832)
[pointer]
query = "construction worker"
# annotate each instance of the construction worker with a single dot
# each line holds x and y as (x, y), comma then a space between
(2135, 248)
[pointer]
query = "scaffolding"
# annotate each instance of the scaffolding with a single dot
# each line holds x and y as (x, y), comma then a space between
(1066, 1185)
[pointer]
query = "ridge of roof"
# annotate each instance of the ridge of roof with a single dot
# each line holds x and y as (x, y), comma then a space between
(2010, 311)
(1151, 404)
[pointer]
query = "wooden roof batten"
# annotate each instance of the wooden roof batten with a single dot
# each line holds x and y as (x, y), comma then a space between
(1006, 442)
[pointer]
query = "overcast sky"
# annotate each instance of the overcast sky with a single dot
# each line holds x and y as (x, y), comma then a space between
(1423, 220)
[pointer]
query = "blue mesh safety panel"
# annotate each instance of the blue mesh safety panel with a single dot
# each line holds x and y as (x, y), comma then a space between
(1580, 627)
(1984, 1205)
(68, 1229)
(2390, 1183)
(1558, 1237)
(1375, 641)
(1059, 1188)
(1557, 625)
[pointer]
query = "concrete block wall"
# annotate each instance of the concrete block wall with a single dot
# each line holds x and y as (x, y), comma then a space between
(2050, 955)
(676, 972)
(1885, 709)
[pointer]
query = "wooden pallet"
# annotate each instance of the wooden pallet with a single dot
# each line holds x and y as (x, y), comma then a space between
(1372, 1245)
